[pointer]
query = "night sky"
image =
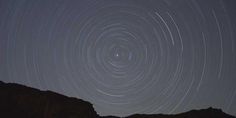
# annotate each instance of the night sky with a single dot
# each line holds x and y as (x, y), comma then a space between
(124, 56)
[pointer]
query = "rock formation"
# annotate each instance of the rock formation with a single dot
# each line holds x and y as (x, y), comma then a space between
(18, 101)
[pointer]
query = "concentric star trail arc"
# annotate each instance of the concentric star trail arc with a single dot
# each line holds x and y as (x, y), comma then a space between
(124, 57)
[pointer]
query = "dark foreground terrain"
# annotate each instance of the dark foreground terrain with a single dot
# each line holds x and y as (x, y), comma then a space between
(17, 101)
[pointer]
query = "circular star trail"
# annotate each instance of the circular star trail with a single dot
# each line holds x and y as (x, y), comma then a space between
(124, 57)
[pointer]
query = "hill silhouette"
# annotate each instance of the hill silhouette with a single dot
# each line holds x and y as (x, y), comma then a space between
(18, 101)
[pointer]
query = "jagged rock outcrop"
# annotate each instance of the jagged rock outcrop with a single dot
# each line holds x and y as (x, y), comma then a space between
(17, 101)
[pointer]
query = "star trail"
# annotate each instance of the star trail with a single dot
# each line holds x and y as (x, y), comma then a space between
(125, 57)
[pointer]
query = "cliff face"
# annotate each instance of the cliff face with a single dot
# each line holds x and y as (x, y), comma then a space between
(17, 101)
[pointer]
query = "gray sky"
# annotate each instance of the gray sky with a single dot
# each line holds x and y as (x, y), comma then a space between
(125, 57)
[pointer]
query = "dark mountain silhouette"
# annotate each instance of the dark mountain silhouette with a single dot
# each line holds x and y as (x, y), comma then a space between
(204, 113)
(18, 101)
